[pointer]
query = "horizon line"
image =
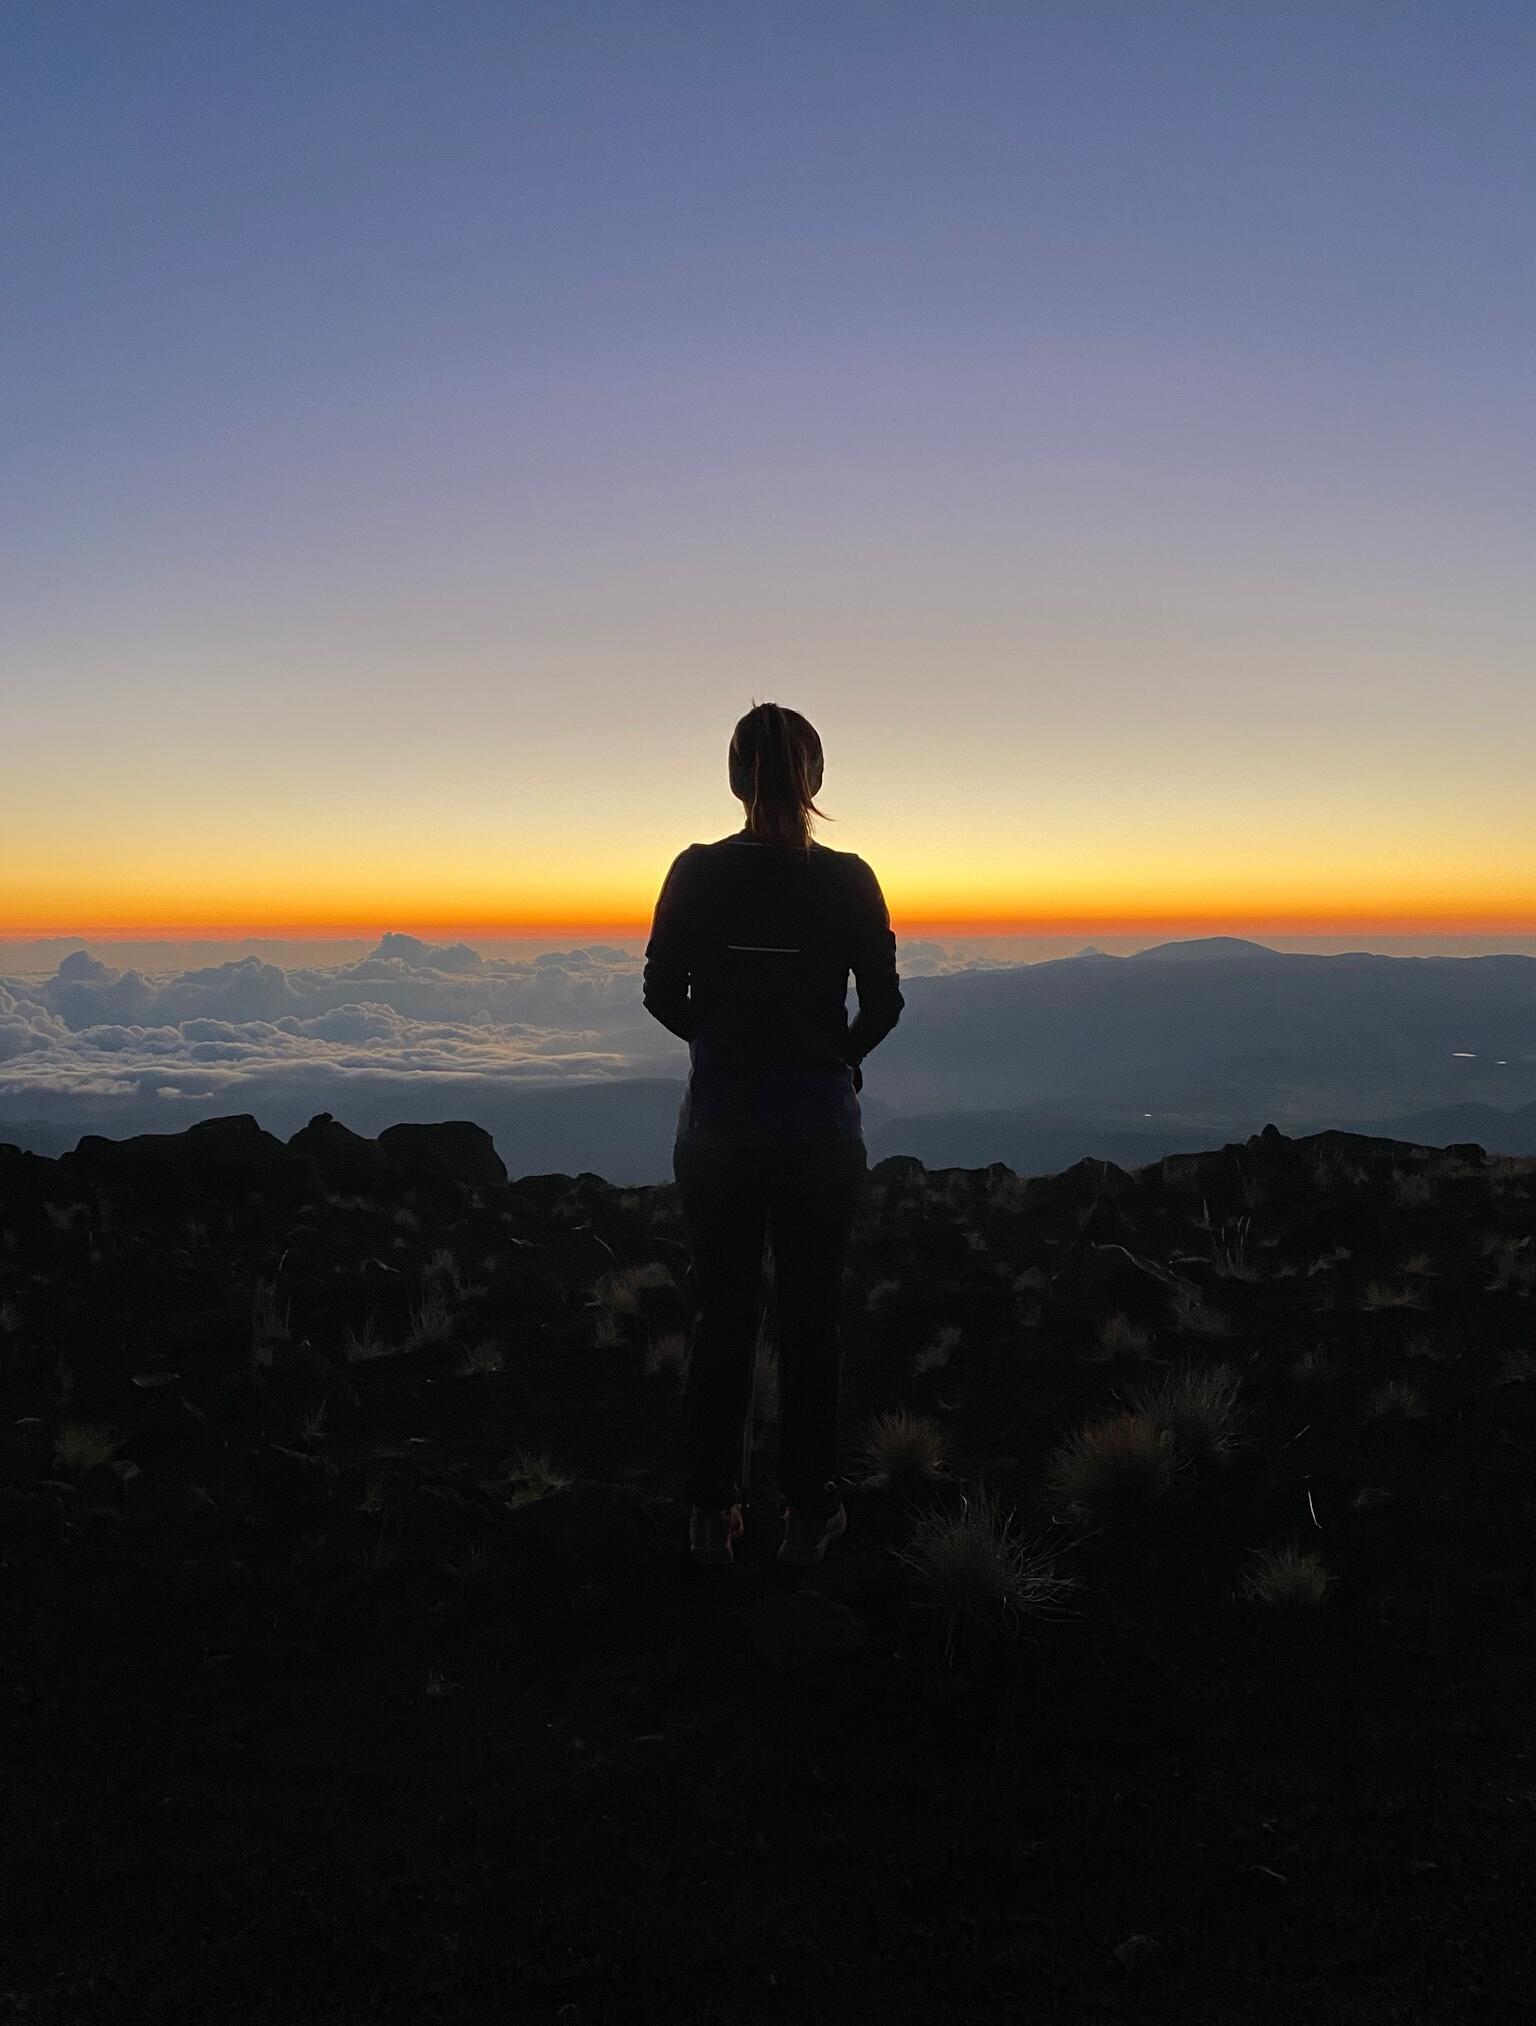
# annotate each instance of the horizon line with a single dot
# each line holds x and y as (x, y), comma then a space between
(948, 927)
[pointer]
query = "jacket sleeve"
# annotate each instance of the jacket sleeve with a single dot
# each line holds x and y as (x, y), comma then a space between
(664, 986)
(874, 967)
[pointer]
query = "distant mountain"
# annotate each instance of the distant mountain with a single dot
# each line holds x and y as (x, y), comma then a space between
(1207, 1032)
(1032, 1144)
(1495, 1130)
(1204, 950)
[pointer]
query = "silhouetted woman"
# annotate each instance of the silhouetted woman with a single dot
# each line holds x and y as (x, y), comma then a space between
(751, 946)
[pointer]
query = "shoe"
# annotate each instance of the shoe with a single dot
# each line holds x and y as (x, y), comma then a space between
(807, 1540)
(710, 1535)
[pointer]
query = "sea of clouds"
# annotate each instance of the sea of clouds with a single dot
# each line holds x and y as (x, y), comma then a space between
(439, 1011)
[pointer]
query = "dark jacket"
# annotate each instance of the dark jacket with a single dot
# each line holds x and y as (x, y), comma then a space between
(748, 962)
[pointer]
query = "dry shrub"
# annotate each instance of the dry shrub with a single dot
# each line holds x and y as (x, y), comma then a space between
(667, 1353)
(431, 1321)
(1395, 1400)
(1230, 1250)
(971, 1569)
(881, 1291)
(935, 1354)
(82, 1445)
(1424, 1345)
(1195, 1316)
(1200, 1408)
(527, 1476)
(1379, 1294)
(481, 1359)
(902, 1449)
(619, 1291)
(1119, 1337)
(1514, 1267)
(1113, 1469)
(765, 1375)
(270, 1323)
(1316, 1370)
(1412, 1191)
(1285, 1578)
(366, 1344)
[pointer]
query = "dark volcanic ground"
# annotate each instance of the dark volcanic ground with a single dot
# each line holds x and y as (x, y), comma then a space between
(356, 1671)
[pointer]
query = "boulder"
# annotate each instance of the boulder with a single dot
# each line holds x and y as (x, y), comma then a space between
(804, 1628)
(26, 1451)
(223, 1157)
(453, 1151)
(348, 1164)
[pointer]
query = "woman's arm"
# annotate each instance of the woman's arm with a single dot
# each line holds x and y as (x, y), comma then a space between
(874, 969)
(664, 986)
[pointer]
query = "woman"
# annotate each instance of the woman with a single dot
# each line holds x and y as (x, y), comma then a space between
(748, 961)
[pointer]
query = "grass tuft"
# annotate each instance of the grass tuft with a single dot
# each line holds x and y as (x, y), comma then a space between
(1285, 1578)
(1395, 1400)
(667, 1353)
(431, 1320)
(935, 1354)
(1379, 1294)
(1113, 1469)
(362, 1346)
(1119, 1337)
(1200, 1409)
(1195, 1316)
(902, 1449)
(970, 1569)
(619, 1291)
(82, 1445)
(528, 1476)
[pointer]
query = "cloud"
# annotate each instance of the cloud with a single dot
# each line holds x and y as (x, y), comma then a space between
(407, 1008)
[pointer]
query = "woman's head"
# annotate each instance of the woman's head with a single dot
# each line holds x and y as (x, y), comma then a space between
(776, 770)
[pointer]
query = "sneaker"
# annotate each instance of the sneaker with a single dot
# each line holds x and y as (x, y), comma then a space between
(710, 1534)
(806, 1539)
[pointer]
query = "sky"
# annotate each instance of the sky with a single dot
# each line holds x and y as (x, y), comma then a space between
(425, 429)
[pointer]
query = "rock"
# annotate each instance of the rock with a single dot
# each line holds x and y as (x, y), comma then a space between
(1136, 1950)
(289, 1481)
(171, 1429)
(804, 1628)
(31, 1519)
(454, 1151)
(442, 1524)
(223, 1158)
(595, 1532)
(1086, 1181)
(348, 1164)
(1090, 1268)
(26, 1451)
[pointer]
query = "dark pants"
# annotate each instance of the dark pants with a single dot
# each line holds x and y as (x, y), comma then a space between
(803, 1199)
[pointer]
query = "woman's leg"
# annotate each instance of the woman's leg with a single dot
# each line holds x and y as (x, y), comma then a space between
(816, 1196)
(722, 1190)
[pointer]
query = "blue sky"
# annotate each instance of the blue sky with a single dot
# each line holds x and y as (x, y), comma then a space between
(1112, 424)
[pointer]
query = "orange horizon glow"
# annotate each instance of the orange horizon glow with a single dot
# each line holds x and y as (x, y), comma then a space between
(951, 926)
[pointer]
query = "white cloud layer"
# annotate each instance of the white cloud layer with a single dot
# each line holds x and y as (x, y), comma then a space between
(407, 1008)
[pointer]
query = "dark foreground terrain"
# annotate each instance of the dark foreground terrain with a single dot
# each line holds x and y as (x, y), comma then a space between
(355, 1671)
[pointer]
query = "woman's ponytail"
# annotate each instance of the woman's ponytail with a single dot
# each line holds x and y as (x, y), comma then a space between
(776, 769)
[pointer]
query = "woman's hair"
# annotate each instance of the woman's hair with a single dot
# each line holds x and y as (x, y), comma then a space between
(776, 769)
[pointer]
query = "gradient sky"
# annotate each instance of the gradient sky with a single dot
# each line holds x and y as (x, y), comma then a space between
(427, 427)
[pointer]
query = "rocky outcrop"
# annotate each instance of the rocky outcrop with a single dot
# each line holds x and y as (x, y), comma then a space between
(454, 1151)
(220, 1157)
(349, 1164)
